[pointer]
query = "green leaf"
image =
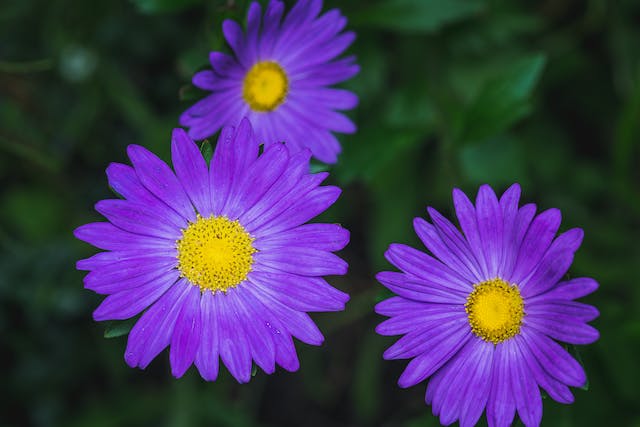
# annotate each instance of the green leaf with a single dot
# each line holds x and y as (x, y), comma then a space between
(416, 15)
(162, 6)
(499, 161)
(502, 101)
(118, 328)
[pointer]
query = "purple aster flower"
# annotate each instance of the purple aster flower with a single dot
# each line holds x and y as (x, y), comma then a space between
(279, 77)
(219, 259)
(482, 315)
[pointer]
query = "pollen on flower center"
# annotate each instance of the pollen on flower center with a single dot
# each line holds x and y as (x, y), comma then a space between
(265, 86)
(215, 253)
(495, 310)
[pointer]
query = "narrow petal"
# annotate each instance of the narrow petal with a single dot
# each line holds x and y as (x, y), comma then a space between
(421, 265)
(158, 178)
(124, 181)
(425, 364)
(235, 350)
(326, 237)
(191, 170)
(430, 334)
(153, 331)
(571, 289)
(207, 354)
(187, 334)
(138, 219)
(501, 406)
(432, 240)
(300, 292)
(467, 218)
(303, 261)
(490, 228)
(536, 242)
(419, 289)
(129, 273)
(107, 236)
(564, 328)
(130, 302)
(261, 344)
(555, 360)
(524, 387)
(477, 393)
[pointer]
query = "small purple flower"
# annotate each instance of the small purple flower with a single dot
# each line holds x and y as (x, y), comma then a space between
(482, 314)
(219, 259)
(280, 78)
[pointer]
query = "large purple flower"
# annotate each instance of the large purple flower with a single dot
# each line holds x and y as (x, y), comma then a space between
(220, 257)
(481, 316)
(279, 77)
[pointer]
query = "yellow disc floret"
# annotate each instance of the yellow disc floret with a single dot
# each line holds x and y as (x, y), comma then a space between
(215, 253)
(265, 86)
(495, 310)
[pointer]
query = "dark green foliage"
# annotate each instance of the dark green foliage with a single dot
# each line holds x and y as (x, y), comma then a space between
(453, 93)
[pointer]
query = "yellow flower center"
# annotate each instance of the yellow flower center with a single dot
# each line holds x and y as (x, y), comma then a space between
(215, 253)
(495, 310)
(265, 86)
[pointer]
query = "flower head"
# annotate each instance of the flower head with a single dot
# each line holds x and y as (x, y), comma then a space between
(280, 76)
(482, 315)
(218, 259)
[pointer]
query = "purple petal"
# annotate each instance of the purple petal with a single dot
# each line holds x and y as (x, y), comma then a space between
(571, 289)
(564, 328)
(128, 303)
(326, 237)
(261, 344)
(234, 36)
(490, 228)
(138, 219)
(127, 274)
(514, 239)
(299, 292)
(429, 334)
(409, 320)
(455, 243)
(221, 170)
(226, 66)
(557, 390)
(429, 236)
(421, 265)
(419, 289)
(553, 265)
(479, 380)
(104, 235)
(187, 334)
(208, 80)
(509, 205)
(285, 351)
(234, 348)
(303, 261)
(562, 309)
(501, 406)
(524, 387)
(153, 331)
(191, 170)
(270, 204)
(302, 210)
(555, 360)
(538, 238)
(297, 323)
(424, 365)
(473, 361)
(124, 181)
(207, 354)
(467, 218)
(396, 306)
(257, 181)
(158, 178)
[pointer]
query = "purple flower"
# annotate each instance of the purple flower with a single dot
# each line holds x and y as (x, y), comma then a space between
(279, 78)
(219, 259)
(482, 314)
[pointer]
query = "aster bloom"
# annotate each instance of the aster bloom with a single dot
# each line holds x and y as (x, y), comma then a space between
(279, 77)
(219, 259)
(482, 315)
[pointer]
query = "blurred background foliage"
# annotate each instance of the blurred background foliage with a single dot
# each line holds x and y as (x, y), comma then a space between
(453, 93)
